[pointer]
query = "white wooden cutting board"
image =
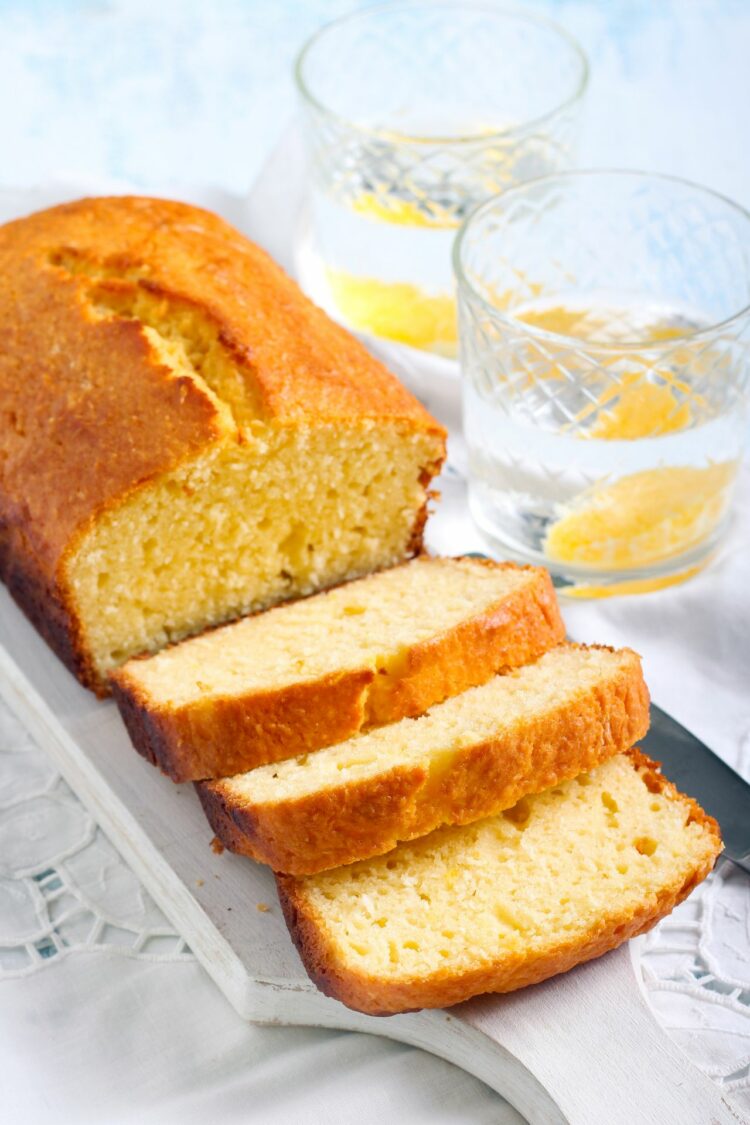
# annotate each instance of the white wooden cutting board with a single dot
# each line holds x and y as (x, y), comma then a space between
(581, 1049)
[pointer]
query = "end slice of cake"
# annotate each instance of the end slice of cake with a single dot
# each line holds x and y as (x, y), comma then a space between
(509, 901)
(468, 757)
(314, 672)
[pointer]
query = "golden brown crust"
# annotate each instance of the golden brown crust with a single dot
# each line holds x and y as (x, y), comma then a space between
(517, 630)
(222, 736)
(335, 826)
(379, 997)
(88, 411)
(77, 437)
(43, 604)
(215, 738)
(367, 815)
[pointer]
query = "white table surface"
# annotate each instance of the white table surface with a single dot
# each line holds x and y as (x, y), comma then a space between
(121, 1024)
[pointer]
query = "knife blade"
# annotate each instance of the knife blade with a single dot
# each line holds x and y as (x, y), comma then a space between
(701, 774)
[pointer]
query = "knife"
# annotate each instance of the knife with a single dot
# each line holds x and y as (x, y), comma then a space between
(701, 774)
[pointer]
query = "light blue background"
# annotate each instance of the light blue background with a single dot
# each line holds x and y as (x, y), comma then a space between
(165, 93)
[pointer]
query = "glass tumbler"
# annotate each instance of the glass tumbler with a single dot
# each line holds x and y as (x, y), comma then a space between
(413, 113)
(604, 321)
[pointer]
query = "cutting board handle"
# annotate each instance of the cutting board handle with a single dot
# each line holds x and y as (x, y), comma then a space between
(589, 1039)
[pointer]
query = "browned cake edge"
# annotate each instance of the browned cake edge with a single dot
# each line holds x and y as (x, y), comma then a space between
(371, 994)
(45, 606)
(225, 735)
(513, 631)
(189, 744)
(334, 826)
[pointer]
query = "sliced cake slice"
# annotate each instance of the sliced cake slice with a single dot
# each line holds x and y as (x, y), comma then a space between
(314, 672)
(491, 907)
(470, 756)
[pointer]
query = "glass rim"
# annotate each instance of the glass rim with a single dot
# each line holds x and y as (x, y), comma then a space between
(395, 135)
(535, 331)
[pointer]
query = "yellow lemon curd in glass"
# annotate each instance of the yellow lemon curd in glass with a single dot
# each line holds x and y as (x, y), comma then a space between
(398, 310)
(644, 517)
